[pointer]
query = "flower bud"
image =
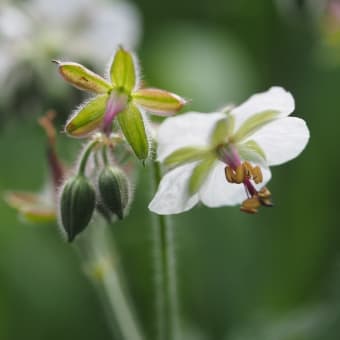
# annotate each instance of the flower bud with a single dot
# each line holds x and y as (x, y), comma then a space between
(113, 187)
(77, 203)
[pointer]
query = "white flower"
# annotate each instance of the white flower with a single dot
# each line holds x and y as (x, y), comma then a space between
(223, 158)
(34, 32)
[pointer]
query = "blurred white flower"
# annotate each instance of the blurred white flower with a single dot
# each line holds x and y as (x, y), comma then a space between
(35, 31)
(210, 155)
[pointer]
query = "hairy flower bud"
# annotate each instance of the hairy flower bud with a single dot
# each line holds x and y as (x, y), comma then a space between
(77, 203)
(113, 187)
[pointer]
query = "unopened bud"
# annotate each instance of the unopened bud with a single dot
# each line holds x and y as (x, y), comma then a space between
(114, 190)
(77, 203)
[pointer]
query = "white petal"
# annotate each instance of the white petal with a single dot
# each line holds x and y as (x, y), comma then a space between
(190, 129)
(282, 139)
(216, 191)
(14, 24)
(276, 98)
(172, 196)
(62, 11)
(117, 22)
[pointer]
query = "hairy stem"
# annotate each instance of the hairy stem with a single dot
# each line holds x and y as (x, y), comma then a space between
(85, 156)
(167, 315)
(101, 263)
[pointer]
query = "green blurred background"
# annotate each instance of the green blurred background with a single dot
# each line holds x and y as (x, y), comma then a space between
(272, 276)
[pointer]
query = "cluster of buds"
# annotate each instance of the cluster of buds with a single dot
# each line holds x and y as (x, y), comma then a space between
(117, 107)
(85, 193)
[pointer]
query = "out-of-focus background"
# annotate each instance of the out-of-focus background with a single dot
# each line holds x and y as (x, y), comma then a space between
(273, 276)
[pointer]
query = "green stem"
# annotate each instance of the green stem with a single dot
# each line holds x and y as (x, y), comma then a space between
(167, 315)
(101, 260)
(104, 155)
(85, 156)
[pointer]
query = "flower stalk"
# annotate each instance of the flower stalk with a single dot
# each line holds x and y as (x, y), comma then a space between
(100, 259)
(167, 313)
(85, 156)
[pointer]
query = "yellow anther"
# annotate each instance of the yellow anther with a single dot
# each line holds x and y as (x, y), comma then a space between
(247, 169)
(257, 175)
(267, 202)
(239, 175)
(265, 197)
(250, 205)
(264, 193)
(243, 172)
(248, 210)
(229, 174)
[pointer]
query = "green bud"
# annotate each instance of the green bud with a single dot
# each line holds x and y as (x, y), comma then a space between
(113, 187)
(77, 203)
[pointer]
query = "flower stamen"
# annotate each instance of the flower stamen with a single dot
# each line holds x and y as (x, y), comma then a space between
(245, 173)
(250, 205)
(262, 197)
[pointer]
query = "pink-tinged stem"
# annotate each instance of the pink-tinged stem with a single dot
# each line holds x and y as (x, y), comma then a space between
(55, 165)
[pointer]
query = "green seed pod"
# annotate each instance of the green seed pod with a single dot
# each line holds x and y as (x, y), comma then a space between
(113, 188)
(77, 203)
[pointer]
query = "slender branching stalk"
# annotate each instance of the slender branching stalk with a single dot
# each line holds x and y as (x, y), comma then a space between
(100, 259)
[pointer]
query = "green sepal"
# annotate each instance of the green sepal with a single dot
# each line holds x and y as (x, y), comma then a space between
(158, 101)
(251, 151)
(132, 125)
(185, 155)
(88, 118)
(200, 173)
(254, 123)
(123, 71)
(83, 78)
(223, 129)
